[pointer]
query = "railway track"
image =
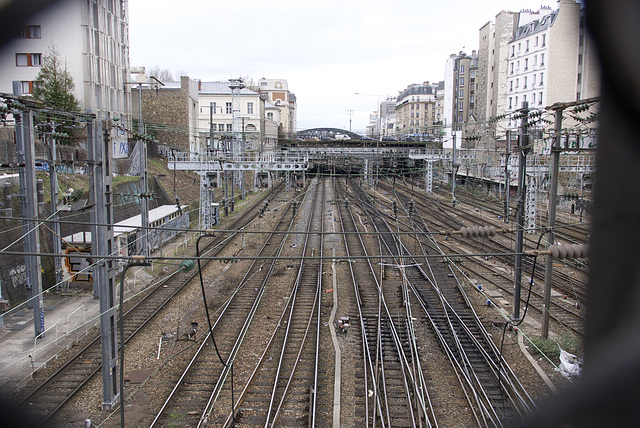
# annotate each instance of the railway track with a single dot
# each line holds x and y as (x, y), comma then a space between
(396, 393)
(192, 400)
(441, 219)
(492, 390)
(48, 397)
(282, 387)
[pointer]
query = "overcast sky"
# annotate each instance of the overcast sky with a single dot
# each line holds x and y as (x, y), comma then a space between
(327, 51)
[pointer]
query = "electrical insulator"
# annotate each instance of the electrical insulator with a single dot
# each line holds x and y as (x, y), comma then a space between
(571, 251)
(480, 231)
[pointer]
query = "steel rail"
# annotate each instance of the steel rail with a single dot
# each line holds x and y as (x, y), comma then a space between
(205, 341)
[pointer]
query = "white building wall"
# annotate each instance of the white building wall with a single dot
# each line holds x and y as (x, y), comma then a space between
(222, 120)
(60, 25)
(92, 39)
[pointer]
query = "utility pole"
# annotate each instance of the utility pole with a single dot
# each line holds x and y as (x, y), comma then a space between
(211, 107)
(236, 85)
(454, 170)
(551, 220)
(99, 154)
(523, 143)
(507, 177)
(25, 148)
(144, 186)
(350, 113)
(53, 181)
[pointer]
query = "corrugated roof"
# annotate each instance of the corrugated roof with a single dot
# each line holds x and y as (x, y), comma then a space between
(126, 225)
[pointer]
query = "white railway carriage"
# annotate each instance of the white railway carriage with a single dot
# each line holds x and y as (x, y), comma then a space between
(126, 234)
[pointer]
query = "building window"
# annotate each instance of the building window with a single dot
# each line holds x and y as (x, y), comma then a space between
(541, 79)
(519, 47)
(214, 128)
(533, 98)
(28, 59)
(511, 68)
(526, 64)
(579, 77)
(517, 83)
(580, 59)
(510, 102)
(229, 127)
(513, 50)
(249, 108)
(29, 32)
(229, 108)
(544, 40)
(462, 81)
(461, 93)
(221, 127)
(472, 74)
(270, 116)
(461, 69)
(536, 40)
(460, 106)
(263, 83)
(525, 83)
(539, 98)
(511, 85)
(527, 48)
(541, 59)
(26, 87)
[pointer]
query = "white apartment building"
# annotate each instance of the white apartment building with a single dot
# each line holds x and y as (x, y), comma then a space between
(547, 62)
(388, 117)
(92, 38)
(278, 94)
(258, 120)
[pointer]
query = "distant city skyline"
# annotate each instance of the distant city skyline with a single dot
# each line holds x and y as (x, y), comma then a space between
(327, 52)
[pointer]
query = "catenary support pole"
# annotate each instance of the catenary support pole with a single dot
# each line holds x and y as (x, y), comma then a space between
(551, 221)
(523, 148)
(25, 147)
(98, 152)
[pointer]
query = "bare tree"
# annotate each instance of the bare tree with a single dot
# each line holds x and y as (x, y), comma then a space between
(162, 74)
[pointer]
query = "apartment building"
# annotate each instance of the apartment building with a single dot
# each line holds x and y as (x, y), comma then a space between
(415, 112)
(278, 94)
(460, 91)
(492, 78)
(551, 59)
(258, 119)
(92, 38)
(388, 117)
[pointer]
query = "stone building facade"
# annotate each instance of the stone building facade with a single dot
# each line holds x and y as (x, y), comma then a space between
(169, 112)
